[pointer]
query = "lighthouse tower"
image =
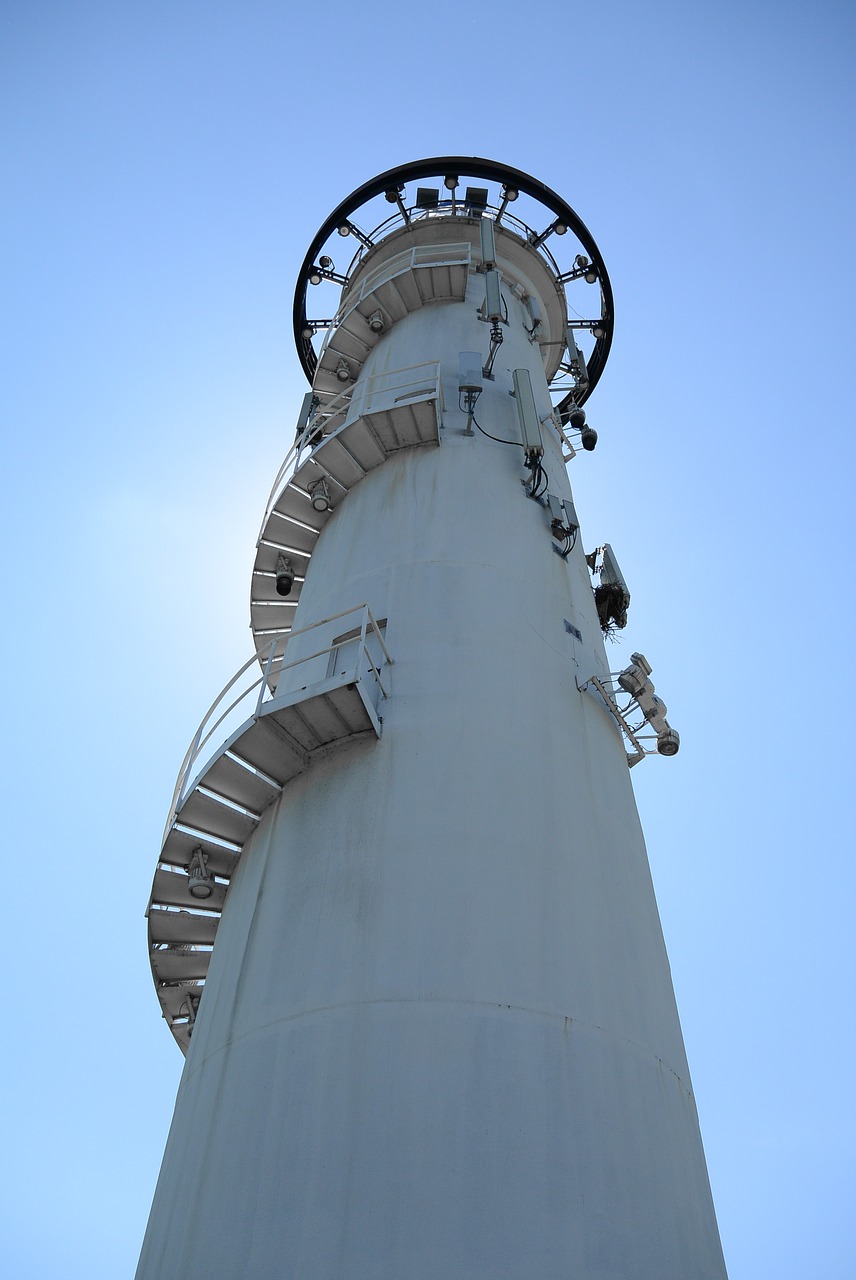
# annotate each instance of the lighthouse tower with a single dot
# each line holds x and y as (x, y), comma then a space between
(402, 923)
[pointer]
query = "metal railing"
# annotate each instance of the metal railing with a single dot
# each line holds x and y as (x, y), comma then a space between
(243, 700)
(418, 258)
(446, 209)
(334, 411)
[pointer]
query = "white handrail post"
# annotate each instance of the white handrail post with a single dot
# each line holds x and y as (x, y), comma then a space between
(363, 650)
(264, 683)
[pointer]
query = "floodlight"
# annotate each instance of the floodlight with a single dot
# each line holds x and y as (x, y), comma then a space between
(450, 181)
(377, 324)
(319, 493)
(427, 197)
(343, 370)
(589, 439)
(669, 742)
(284, 575)
(200, 881)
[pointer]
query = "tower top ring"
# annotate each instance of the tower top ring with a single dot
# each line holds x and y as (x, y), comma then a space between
(543, 219)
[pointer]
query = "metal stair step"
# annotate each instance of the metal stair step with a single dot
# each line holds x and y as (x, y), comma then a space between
(264, 584)
(270, 615)
(179, 966)
(232, 780)
(179, 846)
(368, 451)
(265, 748)
(170, 889)
(182, 927)
(172, 999)
(287, 531)
(390, 300)
(334, 456)
(207, 814)
(294, 504)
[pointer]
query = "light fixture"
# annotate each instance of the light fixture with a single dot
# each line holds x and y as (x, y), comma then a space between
(377, 324)
(669, 743)
(577, 417)
(558, 227)
(200, 882)
(634, 678)
(307, 332)
(315, 276)
(347, 228)
(588, 438)
(598, 329)
(584, 266)
(284, 575)
(427, 197)
(319, 493)
(191, 1004)
(450, 181)
(393, 194)
(343, 370)
(325, 262)
(506, 195)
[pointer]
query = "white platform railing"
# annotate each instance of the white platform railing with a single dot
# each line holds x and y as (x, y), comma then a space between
(418, 258)
(380, 391)
(247, 694)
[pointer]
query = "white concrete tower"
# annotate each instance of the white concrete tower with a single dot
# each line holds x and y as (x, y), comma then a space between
(437, 1038)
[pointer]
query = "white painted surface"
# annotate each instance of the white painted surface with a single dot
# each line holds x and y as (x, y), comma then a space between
(438, 1037)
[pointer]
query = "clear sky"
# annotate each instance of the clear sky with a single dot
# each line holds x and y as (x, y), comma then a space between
(165, 167)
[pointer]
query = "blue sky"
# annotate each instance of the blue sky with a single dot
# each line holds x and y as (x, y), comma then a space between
(165, 167)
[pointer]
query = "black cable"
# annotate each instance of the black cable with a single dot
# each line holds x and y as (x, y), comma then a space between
(516, 443)
(539, 478)
(570, 543)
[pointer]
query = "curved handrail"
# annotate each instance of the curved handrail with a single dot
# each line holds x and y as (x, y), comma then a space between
(332, 406)
(209, 724)
(417, 258)
(415, 214)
